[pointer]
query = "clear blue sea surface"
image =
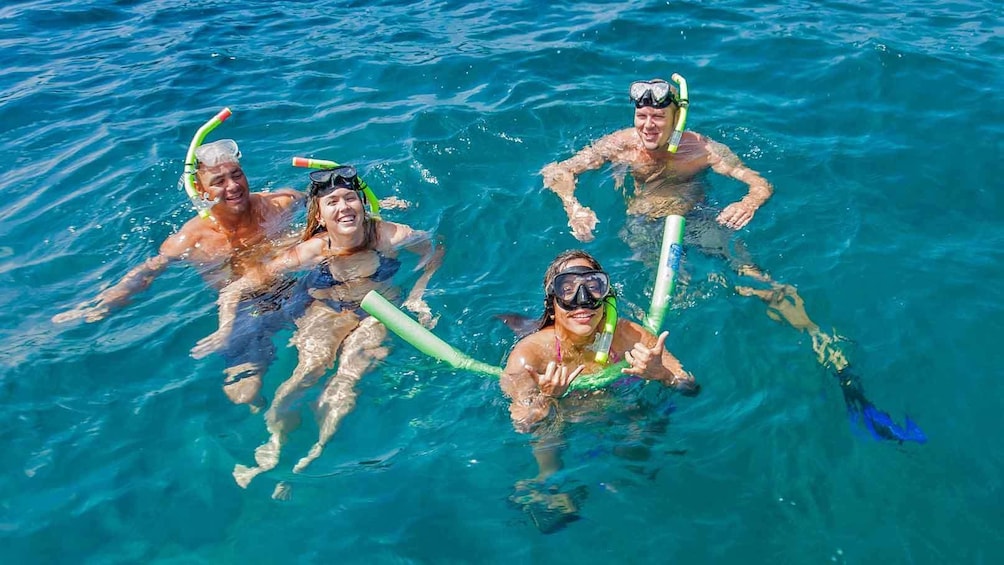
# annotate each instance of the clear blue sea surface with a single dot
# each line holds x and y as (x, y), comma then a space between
(880, 125)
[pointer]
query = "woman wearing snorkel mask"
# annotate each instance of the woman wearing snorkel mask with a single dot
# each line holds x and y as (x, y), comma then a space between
(566, 344)
(346, 252)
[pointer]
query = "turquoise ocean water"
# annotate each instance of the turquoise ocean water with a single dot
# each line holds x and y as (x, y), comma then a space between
(879, 124)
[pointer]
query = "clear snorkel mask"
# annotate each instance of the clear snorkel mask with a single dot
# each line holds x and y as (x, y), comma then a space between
(211, 155)
(218, 152)
(658, 93)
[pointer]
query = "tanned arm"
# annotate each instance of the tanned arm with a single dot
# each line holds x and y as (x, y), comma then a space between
(560, 178)
(533, 394)
(649, 358)
(724, 162)
(135, 281)
(431, 258)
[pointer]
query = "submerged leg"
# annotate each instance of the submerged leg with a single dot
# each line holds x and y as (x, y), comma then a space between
(319, 333)
(547, 452)
(242, 385)
(785, 305)
(248, 351)
(549, 508)
(362, 348)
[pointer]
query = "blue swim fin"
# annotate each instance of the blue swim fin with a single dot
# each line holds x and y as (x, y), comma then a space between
(879, 424)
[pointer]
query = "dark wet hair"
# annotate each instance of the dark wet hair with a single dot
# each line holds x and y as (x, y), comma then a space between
(557, 266)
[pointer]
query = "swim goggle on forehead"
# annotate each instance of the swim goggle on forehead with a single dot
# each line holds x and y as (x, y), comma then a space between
(580, 287)
(217, 153)
(655, 93)
(326, 181)
(658, 93)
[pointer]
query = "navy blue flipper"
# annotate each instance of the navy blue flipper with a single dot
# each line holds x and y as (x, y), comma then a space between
(879, 424)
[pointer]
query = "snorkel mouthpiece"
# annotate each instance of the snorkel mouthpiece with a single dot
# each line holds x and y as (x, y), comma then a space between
(605, 339)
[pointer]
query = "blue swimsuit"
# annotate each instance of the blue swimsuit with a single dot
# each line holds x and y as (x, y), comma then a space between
(322, 278)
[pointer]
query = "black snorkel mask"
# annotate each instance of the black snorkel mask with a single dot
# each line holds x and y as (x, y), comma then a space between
(326, 181)
(655, 93)
(580, 287)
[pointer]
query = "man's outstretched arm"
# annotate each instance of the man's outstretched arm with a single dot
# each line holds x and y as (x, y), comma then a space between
(135, 281)
(560, 178)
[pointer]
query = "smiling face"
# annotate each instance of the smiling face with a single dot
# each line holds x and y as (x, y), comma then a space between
(341, 213)
(226, 182)
(579, 323)
(654, 125)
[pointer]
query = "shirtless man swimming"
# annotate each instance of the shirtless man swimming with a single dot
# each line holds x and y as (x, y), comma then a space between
(665, 182)
(242, 229)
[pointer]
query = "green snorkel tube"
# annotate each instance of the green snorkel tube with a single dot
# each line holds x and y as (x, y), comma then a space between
(681, 119)
(371, 198)
(202, 205)
(603, 341)
(425, 341)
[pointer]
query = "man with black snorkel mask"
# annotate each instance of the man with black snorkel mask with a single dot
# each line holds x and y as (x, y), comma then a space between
(666, 162)
(241, 229)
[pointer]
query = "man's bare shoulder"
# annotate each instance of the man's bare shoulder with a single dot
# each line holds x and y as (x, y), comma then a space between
(718, 152)
(194, 233)
(694, 138)
(197, 227)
